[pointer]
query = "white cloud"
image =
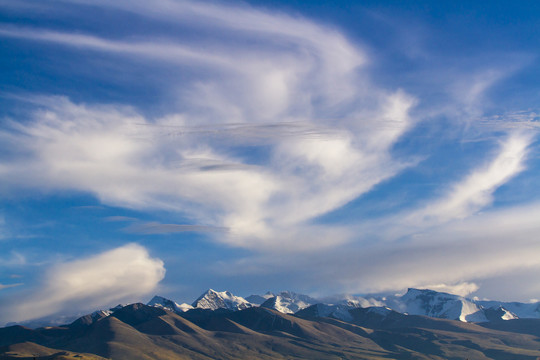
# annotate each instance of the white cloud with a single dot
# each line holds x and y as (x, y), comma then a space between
(456, 256)
(475, 248)
(327, 130)
(122, 274)
(107, 151)
(461, 289)
(476, 190)
(7, 286)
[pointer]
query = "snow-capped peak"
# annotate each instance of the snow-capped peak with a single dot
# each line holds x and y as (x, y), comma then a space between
(161, 302)
(280, 304)
(515, 309)
(100, 314)
(507, 315)
(214, 300)
(437, 304)
(289, 302)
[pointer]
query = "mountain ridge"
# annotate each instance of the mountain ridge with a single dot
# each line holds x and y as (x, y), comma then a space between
(414, 302)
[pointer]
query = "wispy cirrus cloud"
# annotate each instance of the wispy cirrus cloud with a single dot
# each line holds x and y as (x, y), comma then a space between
(476, 190)
(7, 286)
(13, 258)
(171, 52)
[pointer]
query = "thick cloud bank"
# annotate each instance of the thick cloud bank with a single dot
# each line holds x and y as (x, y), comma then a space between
(122, 274)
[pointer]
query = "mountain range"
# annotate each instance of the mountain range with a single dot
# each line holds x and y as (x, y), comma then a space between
(414, 302)
(420, 324)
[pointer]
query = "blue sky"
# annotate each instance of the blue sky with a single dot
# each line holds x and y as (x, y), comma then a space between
(323, 146)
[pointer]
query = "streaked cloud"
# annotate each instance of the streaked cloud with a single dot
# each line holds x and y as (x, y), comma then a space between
(7, 286)
(120, 219)
(166, 52)
(158, 228)
(476, 190)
